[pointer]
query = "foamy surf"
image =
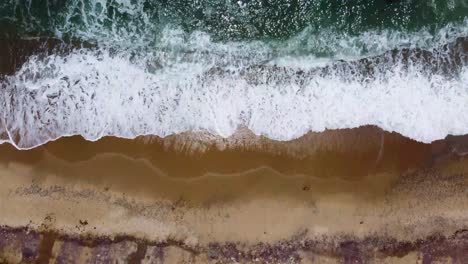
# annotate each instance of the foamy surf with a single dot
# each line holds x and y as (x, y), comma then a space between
(98, 92)
(149, 70)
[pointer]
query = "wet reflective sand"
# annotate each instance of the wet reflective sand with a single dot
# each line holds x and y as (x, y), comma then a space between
(364, 160)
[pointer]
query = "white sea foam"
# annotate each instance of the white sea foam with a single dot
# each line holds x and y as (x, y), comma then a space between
(144, 79)
(95, 93)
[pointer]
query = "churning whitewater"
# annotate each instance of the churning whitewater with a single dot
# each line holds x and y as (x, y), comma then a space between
(280, 68)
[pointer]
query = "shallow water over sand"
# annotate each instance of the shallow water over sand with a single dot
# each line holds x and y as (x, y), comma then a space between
(366, 160)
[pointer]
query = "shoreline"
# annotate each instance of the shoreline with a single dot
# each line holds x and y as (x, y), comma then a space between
(202, 152)
(233, 132)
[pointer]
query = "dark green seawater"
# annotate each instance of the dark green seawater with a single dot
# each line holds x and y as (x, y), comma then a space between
(231, 20)
(228, 20)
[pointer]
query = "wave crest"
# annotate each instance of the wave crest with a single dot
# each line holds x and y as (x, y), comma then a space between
(100, 92)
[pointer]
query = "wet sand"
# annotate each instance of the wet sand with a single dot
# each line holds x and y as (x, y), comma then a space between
(233, 168)
(197, 189)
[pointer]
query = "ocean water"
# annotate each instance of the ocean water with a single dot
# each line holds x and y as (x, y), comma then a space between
(280, 68)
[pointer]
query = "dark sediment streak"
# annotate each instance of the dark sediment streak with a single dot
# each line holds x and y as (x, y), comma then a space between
(15, 51)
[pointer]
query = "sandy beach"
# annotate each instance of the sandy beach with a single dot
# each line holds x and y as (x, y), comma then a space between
(197, 191)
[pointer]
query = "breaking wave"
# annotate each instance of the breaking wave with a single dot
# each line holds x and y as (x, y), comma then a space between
(150, 70)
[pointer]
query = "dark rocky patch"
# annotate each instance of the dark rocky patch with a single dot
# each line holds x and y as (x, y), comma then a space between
(36, 248)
